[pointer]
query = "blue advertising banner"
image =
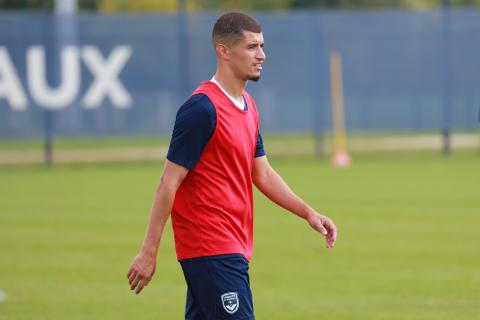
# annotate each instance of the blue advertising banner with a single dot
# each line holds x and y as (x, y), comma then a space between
(128, 74)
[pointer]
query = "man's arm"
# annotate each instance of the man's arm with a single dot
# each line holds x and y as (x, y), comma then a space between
(143, 266)
(269, 182)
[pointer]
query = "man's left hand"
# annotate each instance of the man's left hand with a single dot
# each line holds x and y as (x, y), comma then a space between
(325, 226)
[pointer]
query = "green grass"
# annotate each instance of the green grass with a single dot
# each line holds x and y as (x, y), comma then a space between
(408, 244)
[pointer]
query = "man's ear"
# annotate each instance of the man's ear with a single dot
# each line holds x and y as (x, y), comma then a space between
(223, 52)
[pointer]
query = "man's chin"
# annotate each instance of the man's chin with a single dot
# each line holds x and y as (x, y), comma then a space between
(254, 78)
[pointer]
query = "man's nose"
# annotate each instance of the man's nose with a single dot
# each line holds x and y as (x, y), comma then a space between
(261, 54)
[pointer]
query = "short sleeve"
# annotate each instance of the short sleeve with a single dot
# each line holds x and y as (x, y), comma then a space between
(260, 150)
(194, 126)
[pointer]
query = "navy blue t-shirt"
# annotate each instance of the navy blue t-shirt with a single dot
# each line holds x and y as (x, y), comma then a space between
(194, 126)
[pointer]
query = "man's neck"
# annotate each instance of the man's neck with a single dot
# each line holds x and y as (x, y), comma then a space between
(233, 86)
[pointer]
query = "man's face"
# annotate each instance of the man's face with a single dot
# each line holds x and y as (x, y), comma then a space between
(247, 56)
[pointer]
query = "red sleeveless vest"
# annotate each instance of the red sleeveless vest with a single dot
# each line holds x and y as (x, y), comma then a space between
(213, 209)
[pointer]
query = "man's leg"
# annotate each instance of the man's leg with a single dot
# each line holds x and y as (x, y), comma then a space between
(191, 310)
(219, 287)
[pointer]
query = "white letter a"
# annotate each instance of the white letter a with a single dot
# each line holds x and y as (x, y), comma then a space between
(10, 86)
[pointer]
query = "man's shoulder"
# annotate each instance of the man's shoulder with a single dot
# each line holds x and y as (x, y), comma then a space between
(197, 108)
(198, 102)
(205, 87)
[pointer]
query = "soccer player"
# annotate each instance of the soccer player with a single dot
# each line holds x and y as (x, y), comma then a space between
(216, 153)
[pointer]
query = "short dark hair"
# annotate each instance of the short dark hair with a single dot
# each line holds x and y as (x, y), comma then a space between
(229, 27)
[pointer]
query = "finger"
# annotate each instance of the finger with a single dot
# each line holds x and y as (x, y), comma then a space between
(320, 228)
(330, 243)
(135, 282)
(333, 235)
(328, 224)
(141, 285)
(132, 276)
(131, 272)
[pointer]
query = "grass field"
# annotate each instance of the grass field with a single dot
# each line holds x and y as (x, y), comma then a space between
(408, 247)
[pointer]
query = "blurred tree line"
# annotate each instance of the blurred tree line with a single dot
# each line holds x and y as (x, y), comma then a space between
(200, 5)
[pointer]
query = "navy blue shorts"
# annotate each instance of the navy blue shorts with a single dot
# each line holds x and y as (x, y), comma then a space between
(218, 288)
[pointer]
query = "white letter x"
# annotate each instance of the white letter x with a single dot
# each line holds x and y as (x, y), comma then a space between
(105, 72)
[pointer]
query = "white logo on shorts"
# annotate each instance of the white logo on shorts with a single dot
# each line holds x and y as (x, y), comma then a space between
(230, 302)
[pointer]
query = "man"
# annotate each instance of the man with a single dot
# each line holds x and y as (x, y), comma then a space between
(215, 155)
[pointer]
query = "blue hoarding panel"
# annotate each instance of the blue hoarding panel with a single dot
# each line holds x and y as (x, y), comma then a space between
(128, 74)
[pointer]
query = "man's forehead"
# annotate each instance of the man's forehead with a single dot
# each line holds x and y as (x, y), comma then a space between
(249, 36)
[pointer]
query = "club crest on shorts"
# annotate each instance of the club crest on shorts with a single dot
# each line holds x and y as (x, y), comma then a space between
(230, 302)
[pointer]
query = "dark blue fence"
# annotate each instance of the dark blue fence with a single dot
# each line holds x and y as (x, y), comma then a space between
(402, 70)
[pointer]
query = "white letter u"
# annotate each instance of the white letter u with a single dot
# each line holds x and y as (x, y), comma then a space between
(62, 96)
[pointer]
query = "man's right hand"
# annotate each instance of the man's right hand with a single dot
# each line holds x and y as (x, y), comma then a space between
(143, 266)
(141, 272)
